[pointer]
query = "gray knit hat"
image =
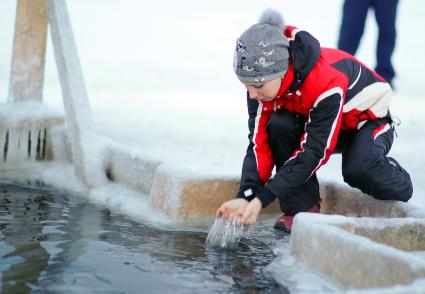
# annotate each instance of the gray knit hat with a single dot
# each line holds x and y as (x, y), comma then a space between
(261, 52)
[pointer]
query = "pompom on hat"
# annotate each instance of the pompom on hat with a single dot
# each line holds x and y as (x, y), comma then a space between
(261, 52)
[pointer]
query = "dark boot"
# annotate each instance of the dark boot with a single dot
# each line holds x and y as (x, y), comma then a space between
(284, 222)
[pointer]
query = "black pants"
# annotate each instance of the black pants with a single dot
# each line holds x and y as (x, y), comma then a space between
(365, 164)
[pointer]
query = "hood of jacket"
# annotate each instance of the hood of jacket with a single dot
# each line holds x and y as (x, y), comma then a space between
(304, 52)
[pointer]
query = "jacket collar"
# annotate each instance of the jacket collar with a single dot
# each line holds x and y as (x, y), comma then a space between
(304, 52)
(286, 81)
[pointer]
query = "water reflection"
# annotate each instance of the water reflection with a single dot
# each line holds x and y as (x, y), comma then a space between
(54, 243)
(21, 216)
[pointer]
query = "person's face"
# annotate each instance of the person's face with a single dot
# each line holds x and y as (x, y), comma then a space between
(265, 91)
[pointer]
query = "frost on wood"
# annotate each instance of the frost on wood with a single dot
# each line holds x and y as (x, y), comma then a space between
(347, 201)
(24, 131)
(166, 193)
(60, 146)
(183, 195)
(360, 252)
(29, 50)
(87, 154)
(125, 166)
(123, 200)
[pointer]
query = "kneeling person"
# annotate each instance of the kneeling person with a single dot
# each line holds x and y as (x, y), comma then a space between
(304, 103)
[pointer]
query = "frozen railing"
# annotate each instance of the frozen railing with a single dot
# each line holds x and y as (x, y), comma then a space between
(24, 121)
(25, 131)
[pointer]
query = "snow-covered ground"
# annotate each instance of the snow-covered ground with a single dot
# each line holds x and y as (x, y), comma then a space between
(160, 80)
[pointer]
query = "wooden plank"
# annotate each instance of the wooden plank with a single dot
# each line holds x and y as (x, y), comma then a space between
(334, 246)
(87, 157)
(29, 50)
(183, 196)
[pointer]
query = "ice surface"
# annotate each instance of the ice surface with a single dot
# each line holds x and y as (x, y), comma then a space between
(128, 202)
(417, 287)
(299, 277)
(115, 197)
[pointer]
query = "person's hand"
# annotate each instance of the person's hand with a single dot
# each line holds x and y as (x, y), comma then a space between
(232, 208)
(251, 212)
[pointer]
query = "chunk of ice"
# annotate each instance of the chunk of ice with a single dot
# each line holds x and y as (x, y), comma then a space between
(226, 233)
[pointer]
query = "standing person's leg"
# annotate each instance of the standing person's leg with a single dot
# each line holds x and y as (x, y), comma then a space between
(352, 25)
(385, 13)
(285, 130)
(365, 164)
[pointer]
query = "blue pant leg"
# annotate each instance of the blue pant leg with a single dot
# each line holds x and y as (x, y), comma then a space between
(352, 24)
(385, 13)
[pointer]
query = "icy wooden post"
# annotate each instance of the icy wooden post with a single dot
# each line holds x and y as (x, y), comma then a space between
(85, 150)
(29, 51)
(24, 121)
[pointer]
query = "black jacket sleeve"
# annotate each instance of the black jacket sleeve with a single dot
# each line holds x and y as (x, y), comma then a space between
(251, 182)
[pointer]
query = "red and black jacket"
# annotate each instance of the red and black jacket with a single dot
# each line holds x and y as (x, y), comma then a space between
(334, 91)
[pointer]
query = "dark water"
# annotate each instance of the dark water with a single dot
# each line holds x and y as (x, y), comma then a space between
(52, 243)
